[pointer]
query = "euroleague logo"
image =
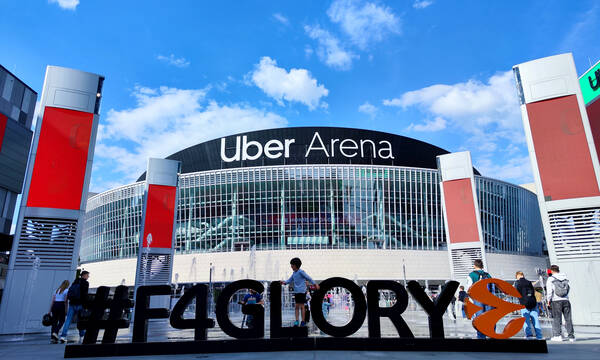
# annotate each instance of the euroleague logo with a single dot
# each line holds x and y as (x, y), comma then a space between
(486, 322)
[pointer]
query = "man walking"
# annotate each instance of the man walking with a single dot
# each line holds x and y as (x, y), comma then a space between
(557, 289)
(77, 297)
(478, 274)
(530, 313)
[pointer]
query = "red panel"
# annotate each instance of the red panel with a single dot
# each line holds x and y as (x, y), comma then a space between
(460, 211)
(60, 161)
(561, 149)
(593, 112)
(3, 120)
(160, 215)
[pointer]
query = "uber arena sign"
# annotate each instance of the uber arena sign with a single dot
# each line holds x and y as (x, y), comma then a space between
(284, 338)
(274, 149)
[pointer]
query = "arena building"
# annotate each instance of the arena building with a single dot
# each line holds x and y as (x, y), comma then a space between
(353, 203)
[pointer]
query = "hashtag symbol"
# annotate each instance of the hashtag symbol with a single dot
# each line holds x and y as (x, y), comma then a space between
(113, 322)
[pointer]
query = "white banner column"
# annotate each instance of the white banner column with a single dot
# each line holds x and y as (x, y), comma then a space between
(157, 232)
(461, 214)
(566, 173)
(45, 250)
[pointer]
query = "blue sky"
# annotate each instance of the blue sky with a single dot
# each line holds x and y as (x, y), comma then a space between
(182, 72)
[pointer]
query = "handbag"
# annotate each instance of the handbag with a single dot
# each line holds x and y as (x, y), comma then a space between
(47, 319)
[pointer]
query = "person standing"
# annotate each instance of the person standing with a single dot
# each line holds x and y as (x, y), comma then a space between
(299, 278)
(77, 297)
(58, 309)
(557, 290)
(530, 313)
(252, 298)
(462, 296)
(474, 276)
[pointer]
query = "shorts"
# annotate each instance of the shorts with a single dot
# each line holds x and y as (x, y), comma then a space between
(300, 298)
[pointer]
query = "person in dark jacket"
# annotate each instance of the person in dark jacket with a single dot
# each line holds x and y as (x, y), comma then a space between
(530, 313)
(77, 297)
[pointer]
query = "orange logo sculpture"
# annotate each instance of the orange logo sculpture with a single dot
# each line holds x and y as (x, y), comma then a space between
(487, 321)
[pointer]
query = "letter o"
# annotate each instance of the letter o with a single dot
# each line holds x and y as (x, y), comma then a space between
(360, 307)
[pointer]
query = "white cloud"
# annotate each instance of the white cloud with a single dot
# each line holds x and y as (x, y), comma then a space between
(330, 51)
(486, 118)
(473, 106)
(282, 19)
(368, 108)
(65, 4)
(516, 169)
(422, 4)
(164, 121)
(173, 60)
(296, 85)
(437, 124)
(364, 22)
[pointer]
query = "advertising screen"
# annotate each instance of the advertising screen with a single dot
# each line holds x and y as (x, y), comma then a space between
(460, 211)
(160, 215)
(561, 148)
(61, 158)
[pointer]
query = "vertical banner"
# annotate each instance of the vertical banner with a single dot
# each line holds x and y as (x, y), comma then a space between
(3, 121)
(157, 233)
(461, 213)
(566, 172)
(48, 233)
(589, 83)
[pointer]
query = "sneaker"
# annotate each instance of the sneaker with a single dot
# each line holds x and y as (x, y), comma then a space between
(54, 336)
(572, 339)
(302, 324)
(556, 338)
(63, 339)
(295, 323)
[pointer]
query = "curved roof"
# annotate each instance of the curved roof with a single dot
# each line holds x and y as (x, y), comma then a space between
(307, 145)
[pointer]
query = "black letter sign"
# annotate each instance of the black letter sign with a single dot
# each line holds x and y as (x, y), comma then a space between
(143, 313)
(277, 331)
(436, 310)
(258, 312)
(201, 322)
(360, 307)
(393, 312)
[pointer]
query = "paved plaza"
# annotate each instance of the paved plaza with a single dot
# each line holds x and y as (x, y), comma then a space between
(36, 346)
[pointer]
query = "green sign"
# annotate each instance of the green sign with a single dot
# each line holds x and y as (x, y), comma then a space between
(590, 83)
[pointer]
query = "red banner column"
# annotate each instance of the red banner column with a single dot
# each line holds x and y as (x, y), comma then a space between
(566, 172)
(157, 233)
(461, 213)
(48, 233)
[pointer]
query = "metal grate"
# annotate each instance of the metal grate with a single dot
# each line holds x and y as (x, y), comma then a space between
(155, 269)
(50, 240)
(576, 233)
(462, 261)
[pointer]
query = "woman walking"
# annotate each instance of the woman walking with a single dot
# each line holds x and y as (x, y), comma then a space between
(58, 309)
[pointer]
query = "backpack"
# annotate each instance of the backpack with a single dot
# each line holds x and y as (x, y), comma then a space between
(561, 287)
(74, 292)
(528, 298)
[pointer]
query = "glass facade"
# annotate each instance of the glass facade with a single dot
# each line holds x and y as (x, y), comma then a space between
(311, 207)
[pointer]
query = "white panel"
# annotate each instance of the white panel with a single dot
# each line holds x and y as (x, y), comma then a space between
(15, 113)
(548, 78)
(71, 99)
(8, 86)
(576, 234)
(27, 95)
(162, 172)
(455, 166)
